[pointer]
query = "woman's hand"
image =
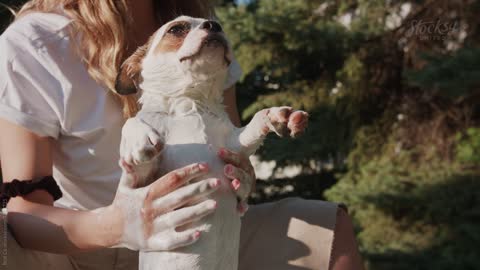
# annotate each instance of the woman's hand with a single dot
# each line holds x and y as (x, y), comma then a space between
(240, 170)
(148, 218)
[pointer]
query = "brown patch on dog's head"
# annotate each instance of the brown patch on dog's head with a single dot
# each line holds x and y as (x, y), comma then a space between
(128, 77)
(174, 37)
(180, 40)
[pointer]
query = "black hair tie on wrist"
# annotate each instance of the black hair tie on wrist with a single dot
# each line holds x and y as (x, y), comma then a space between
(20, 188)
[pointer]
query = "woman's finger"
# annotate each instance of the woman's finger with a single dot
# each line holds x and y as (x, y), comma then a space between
(174, 240)
(183, 216)
(242, 207)
(237, 160)
(184, 195)
(242, 181)
(230, 157)
(175, 179)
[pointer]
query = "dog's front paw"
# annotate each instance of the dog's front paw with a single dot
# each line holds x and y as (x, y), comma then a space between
(286, 122)
(140, 143)
(143, 150)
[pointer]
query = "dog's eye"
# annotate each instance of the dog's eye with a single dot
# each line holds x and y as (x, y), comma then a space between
(179, 29)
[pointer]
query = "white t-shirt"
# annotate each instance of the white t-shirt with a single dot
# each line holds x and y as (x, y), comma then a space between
(45, 88)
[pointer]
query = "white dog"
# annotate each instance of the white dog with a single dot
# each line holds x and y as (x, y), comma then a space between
(180, 74)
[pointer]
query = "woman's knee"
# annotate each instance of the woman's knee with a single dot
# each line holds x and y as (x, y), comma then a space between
(345, 253)
(288, 232)
(344, 221)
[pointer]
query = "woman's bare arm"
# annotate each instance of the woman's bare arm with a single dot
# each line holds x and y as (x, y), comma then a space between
(230, 101)
(36, 223)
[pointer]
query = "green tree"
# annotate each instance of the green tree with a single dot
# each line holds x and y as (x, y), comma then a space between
(392, 89)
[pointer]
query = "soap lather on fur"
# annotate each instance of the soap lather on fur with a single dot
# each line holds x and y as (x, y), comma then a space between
(179, 75)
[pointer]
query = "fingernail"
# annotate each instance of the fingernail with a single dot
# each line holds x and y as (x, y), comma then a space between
(215, 183)
(196, 235)
(214, 204)
(202, 166)
(236, 184)
(228, 169)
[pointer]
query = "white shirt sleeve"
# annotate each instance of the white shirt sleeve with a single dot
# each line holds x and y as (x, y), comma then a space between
(30, 95)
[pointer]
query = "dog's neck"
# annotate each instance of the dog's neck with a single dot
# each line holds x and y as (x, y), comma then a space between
(205, 96)
(174, 87)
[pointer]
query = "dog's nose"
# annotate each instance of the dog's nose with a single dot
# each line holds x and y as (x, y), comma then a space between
(211, 26)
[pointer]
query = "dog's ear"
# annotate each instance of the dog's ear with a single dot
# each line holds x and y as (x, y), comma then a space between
(128, 77)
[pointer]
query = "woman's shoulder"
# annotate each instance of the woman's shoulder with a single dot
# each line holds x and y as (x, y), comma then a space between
(34, 30)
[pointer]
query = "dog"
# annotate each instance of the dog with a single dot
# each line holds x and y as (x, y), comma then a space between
(179, 75)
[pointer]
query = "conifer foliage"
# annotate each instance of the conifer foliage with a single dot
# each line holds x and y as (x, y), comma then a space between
(393, 92)
(392, 88)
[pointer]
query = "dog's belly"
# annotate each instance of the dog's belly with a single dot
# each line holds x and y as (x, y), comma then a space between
(217, 248)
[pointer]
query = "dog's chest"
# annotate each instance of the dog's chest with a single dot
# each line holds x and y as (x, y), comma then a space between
(193, 128)
(190, 138)
(204, 128)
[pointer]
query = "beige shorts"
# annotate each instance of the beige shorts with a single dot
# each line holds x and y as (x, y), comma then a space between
(288, 234)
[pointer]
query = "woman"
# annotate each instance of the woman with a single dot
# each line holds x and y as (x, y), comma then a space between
(58, 116)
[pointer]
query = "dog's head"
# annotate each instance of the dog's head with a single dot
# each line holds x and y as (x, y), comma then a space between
(181, 55)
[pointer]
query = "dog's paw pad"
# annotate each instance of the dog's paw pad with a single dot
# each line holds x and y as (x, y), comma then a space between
(144, 154)
(298, 122)
(142, 151)
(286, 122)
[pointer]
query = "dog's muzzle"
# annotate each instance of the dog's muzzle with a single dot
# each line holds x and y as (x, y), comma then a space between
(213, 39)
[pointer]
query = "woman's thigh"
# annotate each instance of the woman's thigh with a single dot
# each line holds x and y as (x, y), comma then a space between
(289, 234)
(14, 257)
(292, 234)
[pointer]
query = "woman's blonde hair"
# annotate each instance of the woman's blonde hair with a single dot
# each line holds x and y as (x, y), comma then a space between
(104, 26)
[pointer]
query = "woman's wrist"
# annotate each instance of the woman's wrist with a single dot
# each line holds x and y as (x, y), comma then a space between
(108, 226)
